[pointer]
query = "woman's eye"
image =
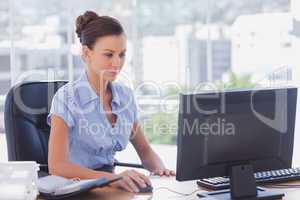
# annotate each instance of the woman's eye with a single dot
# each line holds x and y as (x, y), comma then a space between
(122, 55)
(108, 55)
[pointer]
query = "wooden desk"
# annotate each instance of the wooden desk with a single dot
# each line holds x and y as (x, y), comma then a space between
(160, 193)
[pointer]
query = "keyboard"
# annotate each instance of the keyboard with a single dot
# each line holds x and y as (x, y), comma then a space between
(265, 177)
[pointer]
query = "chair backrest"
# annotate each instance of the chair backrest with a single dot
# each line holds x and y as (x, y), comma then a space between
(27, 132)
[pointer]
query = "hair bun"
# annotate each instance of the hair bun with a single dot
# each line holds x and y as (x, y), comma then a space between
(83, 20)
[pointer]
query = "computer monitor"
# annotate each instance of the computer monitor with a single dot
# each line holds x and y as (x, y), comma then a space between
(219, 130)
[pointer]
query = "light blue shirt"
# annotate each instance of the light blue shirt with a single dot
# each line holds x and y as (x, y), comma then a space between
(93, 141)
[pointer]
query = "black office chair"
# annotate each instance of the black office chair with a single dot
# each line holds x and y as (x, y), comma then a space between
(27, 132)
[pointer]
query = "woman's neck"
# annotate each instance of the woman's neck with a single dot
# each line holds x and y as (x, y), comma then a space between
(98, 83)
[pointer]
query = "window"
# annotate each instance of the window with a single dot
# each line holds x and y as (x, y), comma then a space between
(172, 46)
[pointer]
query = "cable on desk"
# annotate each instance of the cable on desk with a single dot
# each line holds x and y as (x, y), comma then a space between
(179, 193)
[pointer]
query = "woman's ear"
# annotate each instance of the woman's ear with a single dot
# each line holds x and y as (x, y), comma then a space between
(86, 53)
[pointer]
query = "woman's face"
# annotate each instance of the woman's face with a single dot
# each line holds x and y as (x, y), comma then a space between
(107, 57)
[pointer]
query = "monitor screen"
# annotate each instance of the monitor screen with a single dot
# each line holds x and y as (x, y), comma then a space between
(222, 129)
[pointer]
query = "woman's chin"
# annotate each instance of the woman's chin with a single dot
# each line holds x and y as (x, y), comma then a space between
(112, 77)
(109, 76)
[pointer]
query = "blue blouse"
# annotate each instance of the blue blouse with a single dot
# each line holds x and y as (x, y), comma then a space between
(93, 141)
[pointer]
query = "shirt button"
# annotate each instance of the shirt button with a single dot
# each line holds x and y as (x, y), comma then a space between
(116, 146)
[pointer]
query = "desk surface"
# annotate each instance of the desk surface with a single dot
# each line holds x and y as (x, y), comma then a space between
(159, 193)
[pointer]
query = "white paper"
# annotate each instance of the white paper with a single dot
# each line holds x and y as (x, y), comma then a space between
(12, 191)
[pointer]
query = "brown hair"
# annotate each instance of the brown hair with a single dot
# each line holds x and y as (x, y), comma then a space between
(90, 26)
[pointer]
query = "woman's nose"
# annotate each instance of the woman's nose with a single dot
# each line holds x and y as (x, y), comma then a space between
(116, 62)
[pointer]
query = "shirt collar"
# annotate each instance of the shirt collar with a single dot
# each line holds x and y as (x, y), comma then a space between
(115, 95)
(87, 93)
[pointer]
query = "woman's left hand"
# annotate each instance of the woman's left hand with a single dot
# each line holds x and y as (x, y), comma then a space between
(163, 172)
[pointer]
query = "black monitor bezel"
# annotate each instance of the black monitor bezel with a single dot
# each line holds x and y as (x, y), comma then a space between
(187, 172)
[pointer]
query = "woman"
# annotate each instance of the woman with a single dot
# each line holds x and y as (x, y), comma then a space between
(93, 117)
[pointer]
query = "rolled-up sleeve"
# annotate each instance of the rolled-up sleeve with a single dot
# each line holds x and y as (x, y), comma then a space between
(60, 107)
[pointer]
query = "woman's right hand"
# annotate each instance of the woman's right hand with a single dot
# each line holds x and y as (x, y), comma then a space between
(129, 180)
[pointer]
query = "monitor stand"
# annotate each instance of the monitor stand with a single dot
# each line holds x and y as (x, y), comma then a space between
(242, 187)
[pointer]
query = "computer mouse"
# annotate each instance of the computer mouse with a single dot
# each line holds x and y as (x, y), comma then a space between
(147, 189)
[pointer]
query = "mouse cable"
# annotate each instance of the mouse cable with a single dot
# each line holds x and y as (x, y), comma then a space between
(176, 192)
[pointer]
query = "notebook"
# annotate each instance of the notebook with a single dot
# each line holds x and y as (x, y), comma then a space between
(56, 187)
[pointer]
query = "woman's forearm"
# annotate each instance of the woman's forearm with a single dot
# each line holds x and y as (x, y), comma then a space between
(152, 162)
(71, 170)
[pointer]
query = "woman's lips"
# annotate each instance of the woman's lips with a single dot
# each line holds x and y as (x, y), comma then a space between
(113, 73)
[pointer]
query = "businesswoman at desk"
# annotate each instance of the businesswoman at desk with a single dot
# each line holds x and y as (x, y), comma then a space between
(93, 117)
